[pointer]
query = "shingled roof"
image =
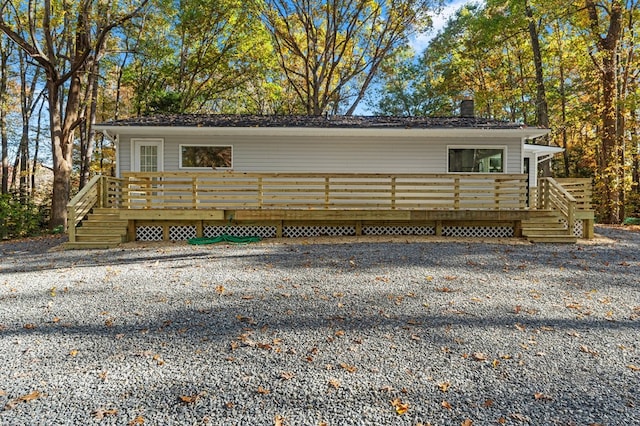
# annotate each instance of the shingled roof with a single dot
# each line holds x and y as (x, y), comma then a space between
(334, 121)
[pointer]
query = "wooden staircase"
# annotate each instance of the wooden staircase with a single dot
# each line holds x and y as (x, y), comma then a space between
(546, 226)
(102, 229)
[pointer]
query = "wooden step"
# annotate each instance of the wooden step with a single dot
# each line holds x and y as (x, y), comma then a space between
(102, 238)
(558, 239)
(547, 227)
(87, 245)
(102, 229)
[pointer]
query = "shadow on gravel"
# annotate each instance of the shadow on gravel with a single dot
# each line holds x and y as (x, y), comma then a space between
(237, 316)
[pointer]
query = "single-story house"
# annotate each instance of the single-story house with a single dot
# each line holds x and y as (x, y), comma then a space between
(181, 176)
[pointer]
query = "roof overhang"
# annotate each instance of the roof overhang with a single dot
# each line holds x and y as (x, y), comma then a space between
(370, 132)
(541, 152)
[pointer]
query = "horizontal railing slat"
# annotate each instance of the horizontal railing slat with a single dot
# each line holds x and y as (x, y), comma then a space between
(161, 190)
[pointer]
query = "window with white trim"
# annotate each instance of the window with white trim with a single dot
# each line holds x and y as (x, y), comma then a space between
(476, 160)
(206, 157)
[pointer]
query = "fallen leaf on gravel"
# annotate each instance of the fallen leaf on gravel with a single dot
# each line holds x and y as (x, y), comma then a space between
(24, 398)
(479, 356)
(73, 353)
(444, 386)
(29, 326)
(3, 393)
(349, 368)
(445, 404)
(137, 421)
(502, 420)
(519, 417)
(539, 396)
(587, 350)
(386, 388)
(189, 399)
(278, 420)
(100, 413)
(401, 408)
(263, 391)
(334, 383)
(633, 367)
(520, 327)
(287, 375)
(467, 422)
(488, 403)
(219, 289)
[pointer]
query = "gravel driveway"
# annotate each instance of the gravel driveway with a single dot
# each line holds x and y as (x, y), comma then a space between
(305, 333)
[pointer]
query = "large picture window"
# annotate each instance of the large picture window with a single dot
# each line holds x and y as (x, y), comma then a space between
(476, 160)
(205, 157)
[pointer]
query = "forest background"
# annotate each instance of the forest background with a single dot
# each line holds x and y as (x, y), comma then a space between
(571, 66)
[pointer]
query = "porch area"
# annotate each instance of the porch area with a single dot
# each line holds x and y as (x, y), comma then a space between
(156, 206)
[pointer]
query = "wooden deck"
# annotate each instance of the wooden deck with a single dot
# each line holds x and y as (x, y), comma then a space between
(433, 203)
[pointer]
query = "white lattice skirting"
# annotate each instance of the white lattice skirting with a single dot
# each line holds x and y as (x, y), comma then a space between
(240, 231)
(185, 232)
(318, 231)
(149, 233)
(578, 227)
(398, 230)
(477, 231)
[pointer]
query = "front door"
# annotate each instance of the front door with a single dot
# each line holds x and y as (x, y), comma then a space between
(147, 155)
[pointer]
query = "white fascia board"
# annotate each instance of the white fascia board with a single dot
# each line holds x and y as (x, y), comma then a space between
(541, 149)
(523, 133)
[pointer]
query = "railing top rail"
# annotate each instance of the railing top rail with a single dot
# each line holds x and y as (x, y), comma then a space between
(84, 191)
(560, 189)
(492, 176)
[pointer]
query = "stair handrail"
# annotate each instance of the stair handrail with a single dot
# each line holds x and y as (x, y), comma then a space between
(558, 198)
(80, 205)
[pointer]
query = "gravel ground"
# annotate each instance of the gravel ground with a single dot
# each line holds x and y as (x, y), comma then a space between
(308, 333)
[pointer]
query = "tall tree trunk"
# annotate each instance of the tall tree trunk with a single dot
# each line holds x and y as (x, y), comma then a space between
(87, 138)
(4, 109)
(36, 149)
(542, 113)
(606, 62)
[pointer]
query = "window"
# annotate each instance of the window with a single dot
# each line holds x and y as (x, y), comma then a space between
(205, 156)
(476, 160)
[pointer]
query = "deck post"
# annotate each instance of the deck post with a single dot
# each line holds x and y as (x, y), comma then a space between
(571, 216)
(260, 193)
(393, 192)
(456, 194)
(194, 192)
(102, 192)
(327, 188)
(71, 225)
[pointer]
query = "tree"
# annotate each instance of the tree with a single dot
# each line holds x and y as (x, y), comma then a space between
(190, 54)
(65, 40)
(330, 51)
(605, 32)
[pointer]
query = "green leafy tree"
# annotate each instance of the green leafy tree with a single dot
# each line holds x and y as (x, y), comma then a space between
(65, 40)
(330, 51)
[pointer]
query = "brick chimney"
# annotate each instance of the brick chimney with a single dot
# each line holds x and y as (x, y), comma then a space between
(467, 109)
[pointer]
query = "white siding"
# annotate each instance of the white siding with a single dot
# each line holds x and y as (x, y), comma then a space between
(331, 154)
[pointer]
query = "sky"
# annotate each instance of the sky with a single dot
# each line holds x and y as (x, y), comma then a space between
(421, 41)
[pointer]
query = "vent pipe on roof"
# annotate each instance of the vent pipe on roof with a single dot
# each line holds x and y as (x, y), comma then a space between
(467, 109)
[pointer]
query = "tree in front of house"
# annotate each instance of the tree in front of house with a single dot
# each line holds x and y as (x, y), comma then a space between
(65, 39)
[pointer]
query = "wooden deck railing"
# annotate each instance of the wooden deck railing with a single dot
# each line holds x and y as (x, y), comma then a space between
(101, 191)
(184, 190)
(554, 196)
(581, 189)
